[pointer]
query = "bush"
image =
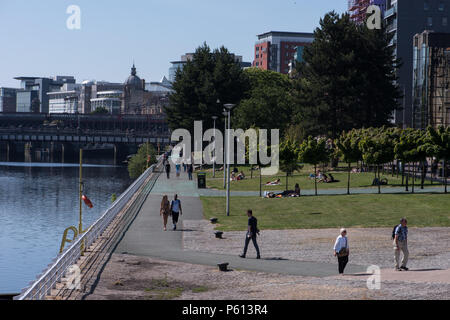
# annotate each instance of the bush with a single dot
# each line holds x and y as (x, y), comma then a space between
(138, 163)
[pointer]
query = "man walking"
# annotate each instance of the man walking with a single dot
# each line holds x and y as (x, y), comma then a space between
(190, 169)
(401, 244)
(252, 231)
(168, 169)
(175, 207)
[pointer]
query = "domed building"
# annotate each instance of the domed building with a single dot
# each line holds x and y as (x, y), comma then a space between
(135, 97)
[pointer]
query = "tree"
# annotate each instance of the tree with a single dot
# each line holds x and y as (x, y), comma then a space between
(289, 155)
(140, 161)
(377, 149)
(405, 150)
(347, 78)
(314, 151)
(438, 145)
(208, 77)
(348, 146)
(100, 110)
(267, 103)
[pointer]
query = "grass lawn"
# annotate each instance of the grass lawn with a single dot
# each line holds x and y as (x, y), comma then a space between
(358, 180)
(422, 210)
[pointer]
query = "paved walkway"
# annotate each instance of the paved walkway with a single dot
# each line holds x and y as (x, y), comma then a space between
(146, 237)
(337, 191)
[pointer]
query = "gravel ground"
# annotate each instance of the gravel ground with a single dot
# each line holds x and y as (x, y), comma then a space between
(129, 278)
(429, 248)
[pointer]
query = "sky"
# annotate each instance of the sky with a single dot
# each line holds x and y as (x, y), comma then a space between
(35, 39)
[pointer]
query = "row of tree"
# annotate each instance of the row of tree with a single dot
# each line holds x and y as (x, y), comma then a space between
(346, 80)
(373, 146)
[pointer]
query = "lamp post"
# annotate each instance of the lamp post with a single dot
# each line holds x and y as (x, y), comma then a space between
(228, 107)
(225, 114)
(214, 158)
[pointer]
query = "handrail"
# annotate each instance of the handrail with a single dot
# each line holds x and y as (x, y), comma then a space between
(47, 281)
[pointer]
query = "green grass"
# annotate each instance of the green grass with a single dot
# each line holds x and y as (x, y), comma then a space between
(200, 289)
(422, 210)
(358, 180)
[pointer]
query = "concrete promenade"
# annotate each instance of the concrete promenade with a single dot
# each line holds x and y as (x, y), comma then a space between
(146, 237)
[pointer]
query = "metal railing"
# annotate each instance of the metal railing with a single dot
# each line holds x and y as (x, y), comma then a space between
(57, 270)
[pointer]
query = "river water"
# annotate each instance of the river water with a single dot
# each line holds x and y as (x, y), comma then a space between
(38, 201)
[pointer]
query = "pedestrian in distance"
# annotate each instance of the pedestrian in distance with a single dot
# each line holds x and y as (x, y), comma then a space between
(190, 169)
(252, 232)
(178, 169)
(164, 211)
(168, 169)
(184, 166)
(342, 250)
(176, 210)
(400, 235)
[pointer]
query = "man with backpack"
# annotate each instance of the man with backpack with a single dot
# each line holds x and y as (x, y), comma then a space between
(400, 237)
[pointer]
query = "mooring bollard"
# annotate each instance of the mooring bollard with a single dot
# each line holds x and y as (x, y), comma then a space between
(223, 266)
(218, 234)
(213, 220)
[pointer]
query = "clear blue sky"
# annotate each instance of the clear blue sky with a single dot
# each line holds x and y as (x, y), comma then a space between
(34, 39)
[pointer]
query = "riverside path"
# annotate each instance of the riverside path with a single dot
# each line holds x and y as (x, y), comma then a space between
(145, 236)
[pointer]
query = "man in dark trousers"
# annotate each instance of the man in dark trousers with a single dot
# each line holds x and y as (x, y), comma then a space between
(251, 234)
(168, 169)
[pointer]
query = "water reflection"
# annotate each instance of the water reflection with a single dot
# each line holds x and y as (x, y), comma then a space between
(39, 201)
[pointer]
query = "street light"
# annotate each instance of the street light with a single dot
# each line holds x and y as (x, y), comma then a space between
(225, 114)
(214, 159)
(228, 107)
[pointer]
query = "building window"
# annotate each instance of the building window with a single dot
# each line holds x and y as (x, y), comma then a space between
(441, 6)
(257, 63)
(445, 21)
(257, 56)
(430, 21)
(426, 6)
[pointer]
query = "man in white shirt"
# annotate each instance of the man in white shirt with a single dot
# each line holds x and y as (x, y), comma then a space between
(342, 250)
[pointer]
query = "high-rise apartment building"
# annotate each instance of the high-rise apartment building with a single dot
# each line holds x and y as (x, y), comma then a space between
(404, 19)
(358, 8)
(431, 80)
(277, 50)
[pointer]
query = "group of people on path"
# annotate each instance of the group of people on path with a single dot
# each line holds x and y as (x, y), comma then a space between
(172, 209)
(189, 168)
(400, 242)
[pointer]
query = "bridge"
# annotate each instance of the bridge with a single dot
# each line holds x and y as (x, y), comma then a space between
(63, 134)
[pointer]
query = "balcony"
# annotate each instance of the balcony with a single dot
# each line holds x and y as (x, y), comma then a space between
(390, 12)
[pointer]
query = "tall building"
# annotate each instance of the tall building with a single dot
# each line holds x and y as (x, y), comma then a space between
(431, 80)
(64, 100)
(135, 96)
(179, 65)
(36, 87)
(276, 50)
(8, 99)
(358, 8)
(404, 19)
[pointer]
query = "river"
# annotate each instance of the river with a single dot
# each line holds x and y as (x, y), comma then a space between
(38, 201)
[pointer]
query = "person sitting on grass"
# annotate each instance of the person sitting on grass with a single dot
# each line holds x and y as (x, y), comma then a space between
(297, 189)
(312, 176)
(241, 176)
(233, 176)
(274, 183)
(323, 178)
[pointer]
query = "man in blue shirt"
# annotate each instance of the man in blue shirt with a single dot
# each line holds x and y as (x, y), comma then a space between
(176, 211)
(401, 244)
(252, 231)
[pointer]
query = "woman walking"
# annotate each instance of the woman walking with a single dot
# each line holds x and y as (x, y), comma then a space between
(165, 211)
(341, 250)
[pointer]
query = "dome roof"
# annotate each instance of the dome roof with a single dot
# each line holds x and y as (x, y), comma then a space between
(133, 79)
